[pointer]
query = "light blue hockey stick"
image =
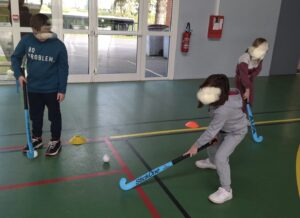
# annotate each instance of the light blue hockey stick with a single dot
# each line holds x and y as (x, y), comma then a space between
(157, 170)
(31, 153)
(255, 137)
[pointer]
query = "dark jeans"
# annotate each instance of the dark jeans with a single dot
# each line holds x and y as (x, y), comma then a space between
(37, 103)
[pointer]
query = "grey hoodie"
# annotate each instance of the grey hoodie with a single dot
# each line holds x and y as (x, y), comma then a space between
(228, 117)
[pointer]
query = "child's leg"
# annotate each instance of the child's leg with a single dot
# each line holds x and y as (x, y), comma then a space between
(36, 110)
(54, 115)
(228, 145)
(212, 150)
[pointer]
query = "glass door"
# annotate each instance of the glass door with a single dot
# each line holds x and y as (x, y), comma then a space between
(133, 39)
(102, 39)
(117, 40)
(77, 36)
(6, 41)
(158, 36)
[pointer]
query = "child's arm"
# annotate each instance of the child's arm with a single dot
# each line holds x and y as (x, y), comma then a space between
(245, 80)
(212, 130)
(257, 70)
(17, 57)
(244, 75)
(194, 148)
(63, 68)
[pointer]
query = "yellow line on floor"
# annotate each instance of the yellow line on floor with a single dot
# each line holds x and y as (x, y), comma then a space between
(162, 132)
(277, 121)
(298, 169)
(186, 130)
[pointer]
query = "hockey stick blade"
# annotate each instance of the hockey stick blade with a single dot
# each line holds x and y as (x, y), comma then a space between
(123, 185)
(144, 177)
(31, 153)
(255, 137)
(148, 175)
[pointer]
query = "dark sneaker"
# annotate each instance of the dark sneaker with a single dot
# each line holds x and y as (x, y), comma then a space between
(36, 143)
(53, 148)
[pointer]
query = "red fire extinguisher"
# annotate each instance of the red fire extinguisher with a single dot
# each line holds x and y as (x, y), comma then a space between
(186, 36)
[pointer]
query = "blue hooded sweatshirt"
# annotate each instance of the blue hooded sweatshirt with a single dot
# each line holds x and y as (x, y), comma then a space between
(47, 64)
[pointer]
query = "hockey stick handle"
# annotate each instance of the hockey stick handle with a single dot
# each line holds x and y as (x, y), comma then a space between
(25, 96)
(182, 157)
(24, 90)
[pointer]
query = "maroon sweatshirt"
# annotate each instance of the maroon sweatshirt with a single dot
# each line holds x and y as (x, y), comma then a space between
(246, 71)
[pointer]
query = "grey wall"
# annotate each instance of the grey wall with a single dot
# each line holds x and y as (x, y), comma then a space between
(244, 21)
(287, 45)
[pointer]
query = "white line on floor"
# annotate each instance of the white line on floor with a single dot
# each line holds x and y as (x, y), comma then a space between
(157, 74)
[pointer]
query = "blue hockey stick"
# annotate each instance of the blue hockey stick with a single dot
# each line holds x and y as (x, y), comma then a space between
(157, 170)
(255, 137)
(31, 153)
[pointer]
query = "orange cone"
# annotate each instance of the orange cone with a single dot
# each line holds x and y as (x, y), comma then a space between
(192, 124)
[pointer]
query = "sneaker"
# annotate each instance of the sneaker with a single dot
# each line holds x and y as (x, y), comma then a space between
(220, 196)
(53, 148)
(36, 143)
(205, 164)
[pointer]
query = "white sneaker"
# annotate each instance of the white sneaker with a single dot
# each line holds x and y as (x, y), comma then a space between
(205, 164)
(220, 196)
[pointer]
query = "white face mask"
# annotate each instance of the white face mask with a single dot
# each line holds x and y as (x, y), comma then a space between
(259, 52)
(208, 95)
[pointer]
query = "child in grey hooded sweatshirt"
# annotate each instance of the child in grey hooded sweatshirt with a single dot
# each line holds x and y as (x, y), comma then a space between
(228, 126)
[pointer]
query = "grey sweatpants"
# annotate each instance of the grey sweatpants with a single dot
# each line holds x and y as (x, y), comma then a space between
(220, 152)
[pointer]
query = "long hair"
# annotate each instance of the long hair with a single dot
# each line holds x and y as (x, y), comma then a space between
(218, 81)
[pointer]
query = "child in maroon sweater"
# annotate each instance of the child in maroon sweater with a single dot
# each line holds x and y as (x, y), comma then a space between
(248, 67)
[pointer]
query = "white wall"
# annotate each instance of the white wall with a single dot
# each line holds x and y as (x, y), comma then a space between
(244, 21)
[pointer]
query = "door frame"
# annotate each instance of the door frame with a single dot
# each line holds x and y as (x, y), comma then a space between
(141, 35)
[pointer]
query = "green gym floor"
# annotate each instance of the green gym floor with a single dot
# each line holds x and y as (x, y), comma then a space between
(140, 125)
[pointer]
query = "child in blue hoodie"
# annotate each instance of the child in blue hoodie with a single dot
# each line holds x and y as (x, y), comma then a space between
(47, 75)
(228, 126)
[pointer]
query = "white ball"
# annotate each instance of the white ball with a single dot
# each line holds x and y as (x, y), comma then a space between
(105, 158)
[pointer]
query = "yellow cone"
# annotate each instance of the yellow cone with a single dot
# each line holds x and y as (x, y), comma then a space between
(77, 140)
